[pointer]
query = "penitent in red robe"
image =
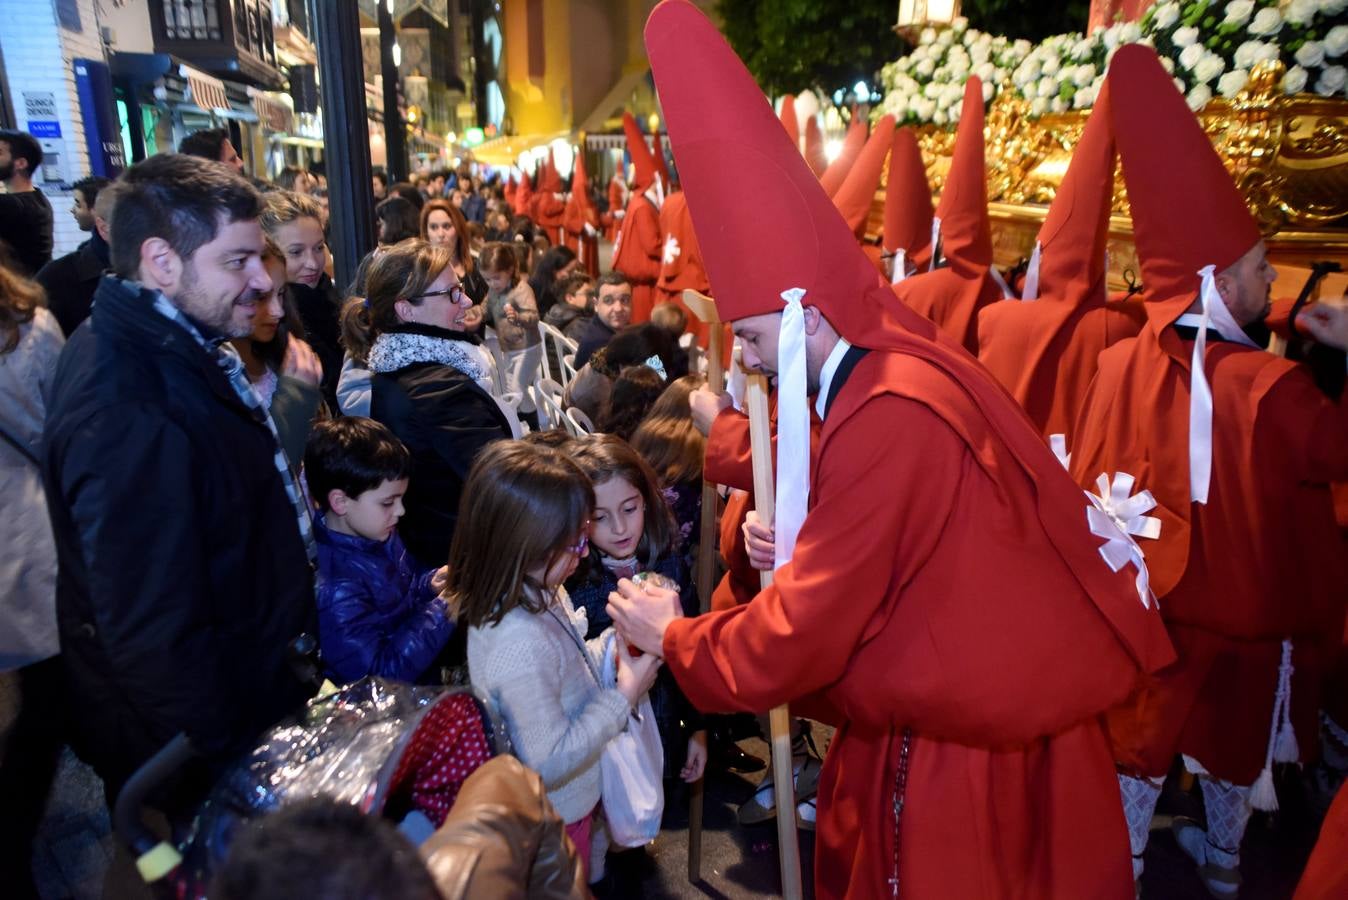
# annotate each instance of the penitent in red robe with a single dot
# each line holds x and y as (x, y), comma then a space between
(1261, 561)
(681, 265)
(921, 595)
(637, 253)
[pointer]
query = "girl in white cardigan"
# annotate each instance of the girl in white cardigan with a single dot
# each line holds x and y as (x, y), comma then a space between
(524, 526)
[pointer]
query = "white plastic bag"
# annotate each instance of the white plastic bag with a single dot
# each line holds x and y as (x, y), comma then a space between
(631, 769)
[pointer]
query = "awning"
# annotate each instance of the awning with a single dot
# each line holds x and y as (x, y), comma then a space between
(506, 150)
(271, 112)
(205, 91)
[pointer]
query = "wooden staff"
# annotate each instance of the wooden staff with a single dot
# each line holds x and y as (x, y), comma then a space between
(779, 719)
(705, 309)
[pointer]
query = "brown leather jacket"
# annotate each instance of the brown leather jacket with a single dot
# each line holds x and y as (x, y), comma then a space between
(503, 839)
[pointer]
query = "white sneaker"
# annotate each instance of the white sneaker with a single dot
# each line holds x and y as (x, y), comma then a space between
(1221, 881)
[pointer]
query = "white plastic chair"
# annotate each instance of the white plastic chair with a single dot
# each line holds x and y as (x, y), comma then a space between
(580, 423)
(548, 401)
(554, 355)
(569, 367)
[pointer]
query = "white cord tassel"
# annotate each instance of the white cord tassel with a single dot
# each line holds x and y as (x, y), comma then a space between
(1031, 291)
(1286, 750)
(1263, 795)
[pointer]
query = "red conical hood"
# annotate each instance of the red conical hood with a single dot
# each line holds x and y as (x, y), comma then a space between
(640, 153)
(836, 173)
(1187, 213)
(966, 236)
(524, 195)
(908, 209)
(550, 180)
(1072, 238)
(580, 209)
(788, 117)
(658, 155)
(814, 147)
(857, 193)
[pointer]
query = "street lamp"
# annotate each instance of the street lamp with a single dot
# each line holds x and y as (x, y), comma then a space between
(914, 15)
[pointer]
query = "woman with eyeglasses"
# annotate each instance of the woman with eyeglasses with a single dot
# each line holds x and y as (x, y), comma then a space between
(431, 384)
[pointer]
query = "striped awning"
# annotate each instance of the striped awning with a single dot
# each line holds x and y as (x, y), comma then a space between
(205, 91)
(272, 113)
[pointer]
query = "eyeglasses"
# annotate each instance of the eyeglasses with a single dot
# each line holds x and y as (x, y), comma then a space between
(454, 292)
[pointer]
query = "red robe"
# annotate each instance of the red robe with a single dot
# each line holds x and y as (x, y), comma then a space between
(681, 262)
(1260, 562)
(1045, 353)
(925, 594)
(547, 212)
(1326, 875)
(637, 253)
(615, 202)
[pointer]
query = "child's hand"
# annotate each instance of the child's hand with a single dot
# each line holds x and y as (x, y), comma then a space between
(440, 579)
(696, 762)
(635, 676)
(760, 542)
(642, 613)
(511, 315)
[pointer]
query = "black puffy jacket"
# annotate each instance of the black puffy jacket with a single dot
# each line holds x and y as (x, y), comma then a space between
(183, 576)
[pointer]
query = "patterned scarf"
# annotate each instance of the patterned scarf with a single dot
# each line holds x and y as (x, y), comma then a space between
(394, 350)
(227, 358)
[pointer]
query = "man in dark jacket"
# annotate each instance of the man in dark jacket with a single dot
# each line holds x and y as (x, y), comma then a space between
(612, 313)
(71, 280)
(25, 213)
(183, 541)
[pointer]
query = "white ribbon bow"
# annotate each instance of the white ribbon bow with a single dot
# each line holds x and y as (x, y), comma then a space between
(1116, 514)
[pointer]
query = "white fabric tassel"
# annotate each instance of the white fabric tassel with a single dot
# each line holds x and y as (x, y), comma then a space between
(1285, 748)
(935, 243)
(793, 428)
(900, 270)
(1031, 291)
(1263, 795)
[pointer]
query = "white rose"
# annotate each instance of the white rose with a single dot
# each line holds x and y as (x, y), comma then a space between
(1129, 32)
(925, 68)
(924, 109)
(1167, 14)
(1208, 68)
(1331, 81)
(1168, 64)
(939, 117)
(1051, 66)
(1022, 47)
(988, 91)
(958, 69)
(1084, 75)
(960, 24)
(1333, 7)
(953, 112)
(1311, 54)
(931, 90)
(1191, 54)
(1199, 97)
(1294, 82)
(1083, 98)
(1058, 105)
(1082, 49)
(1299, 12)
(1232, 82)
(1238, 12)
(1336, 42)
(1180, 85)
(987, 71)
(1038, 106)
(1267, 22)
(1111, 37)
(1047, 87)
(1185, 36)
(945, 39)
(928, 35)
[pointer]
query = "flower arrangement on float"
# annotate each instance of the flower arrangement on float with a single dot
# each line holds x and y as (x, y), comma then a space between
(1208, 46)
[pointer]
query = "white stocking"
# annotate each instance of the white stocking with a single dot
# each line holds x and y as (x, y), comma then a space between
(1228, 812)
(1139, 805)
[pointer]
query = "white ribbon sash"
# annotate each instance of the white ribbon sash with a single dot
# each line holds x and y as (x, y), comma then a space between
(900, 270)
(935, 243)
(793, 428)
(1031, 291)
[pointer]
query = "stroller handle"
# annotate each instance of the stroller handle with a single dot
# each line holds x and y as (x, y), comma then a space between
(154, 858)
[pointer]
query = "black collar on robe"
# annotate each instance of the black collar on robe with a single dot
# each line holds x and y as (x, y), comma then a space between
(842, 373)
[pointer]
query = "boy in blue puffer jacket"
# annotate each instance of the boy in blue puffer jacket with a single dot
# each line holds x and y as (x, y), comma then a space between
(379, 613)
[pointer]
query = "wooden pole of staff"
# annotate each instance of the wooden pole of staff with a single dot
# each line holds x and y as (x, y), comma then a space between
(779, 719)
(705, 309)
